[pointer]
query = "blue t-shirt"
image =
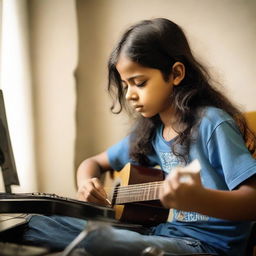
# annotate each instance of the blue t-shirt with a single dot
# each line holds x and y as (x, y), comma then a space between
(225, 163)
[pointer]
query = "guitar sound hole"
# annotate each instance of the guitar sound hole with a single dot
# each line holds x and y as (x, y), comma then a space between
(115, 191)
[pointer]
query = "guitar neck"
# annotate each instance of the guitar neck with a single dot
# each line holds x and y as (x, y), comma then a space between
(137, 192)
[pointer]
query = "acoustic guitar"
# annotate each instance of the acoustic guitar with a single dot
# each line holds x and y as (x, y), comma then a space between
(134, 194)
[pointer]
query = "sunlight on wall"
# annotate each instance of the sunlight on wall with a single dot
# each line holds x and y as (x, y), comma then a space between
(53, 34)
(16, 86)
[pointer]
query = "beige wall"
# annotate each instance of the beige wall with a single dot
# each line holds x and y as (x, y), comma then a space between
(222, 33)
(54, 59)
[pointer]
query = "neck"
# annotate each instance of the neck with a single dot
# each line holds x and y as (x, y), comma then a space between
(167, 117)
(169, 133)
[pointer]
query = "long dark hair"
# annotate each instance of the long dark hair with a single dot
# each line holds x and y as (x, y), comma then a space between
(158, 44)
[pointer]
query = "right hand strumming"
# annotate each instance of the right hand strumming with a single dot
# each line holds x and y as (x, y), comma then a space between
(91, 190)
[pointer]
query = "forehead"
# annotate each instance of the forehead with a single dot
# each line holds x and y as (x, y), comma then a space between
(128, 68)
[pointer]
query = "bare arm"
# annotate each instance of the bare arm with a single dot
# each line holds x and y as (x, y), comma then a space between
(90, 188)
(239, 204)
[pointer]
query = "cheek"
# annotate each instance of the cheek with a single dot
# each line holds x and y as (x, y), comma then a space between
(161, 96)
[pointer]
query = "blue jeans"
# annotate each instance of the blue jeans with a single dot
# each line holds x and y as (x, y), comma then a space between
(57, 232)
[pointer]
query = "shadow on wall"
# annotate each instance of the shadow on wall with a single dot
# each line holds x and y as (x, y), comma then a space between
(97, 128)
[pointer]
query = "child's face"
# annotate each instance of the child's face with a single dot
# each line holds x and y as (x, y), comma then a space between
(145, 88)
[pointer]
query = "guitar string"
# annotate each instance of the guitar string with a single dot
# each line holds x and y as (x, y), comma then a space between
(131, 188)
(139, 193)
(131, 193)
(128, 189)
(136, 198)
(119, 190)
(136, 194)
(141, 185)
(143, 193)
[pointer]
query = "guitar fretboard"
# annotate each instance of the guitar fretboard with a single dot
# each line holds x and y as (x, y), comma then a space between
(137, 192)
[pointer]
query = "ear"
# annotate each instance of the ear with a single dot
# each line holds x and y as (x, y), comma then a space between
(178, 72)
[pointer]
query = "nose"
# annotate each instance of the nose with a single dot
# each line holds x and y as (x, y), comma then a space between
(131, 94)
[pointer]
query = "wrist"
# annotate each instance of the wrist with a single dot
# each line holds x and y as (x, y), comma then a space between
(199, 202)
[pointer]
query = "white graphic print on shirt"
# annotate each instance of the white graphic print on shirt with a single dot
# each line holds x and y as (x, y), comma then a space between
(169, 161)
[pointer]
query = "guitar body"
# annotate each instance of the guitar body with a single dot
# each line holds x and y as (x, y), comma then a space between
(146, 213)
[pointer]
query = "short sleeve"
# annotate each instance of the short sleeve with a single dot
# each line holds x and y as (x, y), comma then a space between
(227, 150)
(118, 154)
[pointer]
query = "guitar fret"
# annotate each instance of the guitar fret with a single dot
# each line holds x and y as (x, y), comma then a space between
(148, 193)
(144, 194)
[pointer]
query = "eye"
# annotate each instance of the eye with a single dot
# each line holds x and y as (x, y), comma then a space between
(141, 84)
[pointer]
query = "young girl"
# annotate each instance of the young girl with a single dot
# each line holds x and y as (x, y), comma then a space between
(179, 117)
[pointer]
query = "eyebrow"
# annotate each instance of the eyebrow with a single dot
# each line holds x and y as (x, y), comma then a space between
(132, 77)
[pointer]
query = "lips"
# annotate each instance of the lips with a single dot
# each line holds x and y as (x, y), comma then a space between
(138, 107)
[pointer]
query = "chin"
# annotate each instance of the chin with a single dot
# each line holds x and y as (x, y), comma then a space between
(147, 115)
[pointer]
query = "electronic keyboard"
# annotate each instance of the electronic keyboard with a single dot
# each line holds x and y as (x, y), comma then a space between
(52, 204)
